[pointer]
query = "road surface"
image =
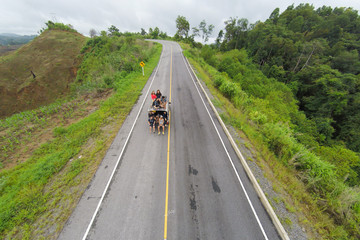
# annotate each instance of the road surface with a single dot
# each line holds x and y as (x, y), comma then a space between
(181, 185)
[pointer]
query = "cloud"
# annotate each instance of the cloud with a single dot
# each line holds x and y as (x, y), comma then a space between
(28, 17)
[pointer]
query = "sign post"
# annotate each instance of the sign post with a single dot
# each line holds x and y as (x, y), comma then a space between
(142, 64)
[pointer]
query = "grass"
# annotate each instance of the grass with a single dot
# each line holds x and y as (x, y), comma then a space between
(38, 195)
(287, 221)
(20, 129)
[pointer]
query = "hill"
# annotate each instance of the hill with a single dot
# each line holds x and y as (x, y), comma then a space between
(52, 57)
(14, 39)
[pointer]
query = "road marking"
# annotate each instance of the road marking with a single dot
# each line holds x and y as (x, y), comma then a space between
(168, 161)
(229, 157)
(122, 151)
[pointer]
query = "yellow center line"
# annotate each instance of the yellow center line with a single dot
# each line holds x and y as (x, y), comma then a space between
(168, 161)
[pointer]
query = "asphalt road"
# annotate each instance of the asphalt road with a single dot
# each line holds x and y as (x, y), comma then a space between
(205, 199)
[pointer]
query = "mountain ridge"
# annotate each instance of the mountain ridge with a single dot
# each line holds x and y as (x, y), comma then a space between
(15, 39)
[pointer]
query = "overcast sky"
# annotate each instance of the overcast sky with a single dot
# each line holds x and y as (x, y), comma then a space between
(29, 16)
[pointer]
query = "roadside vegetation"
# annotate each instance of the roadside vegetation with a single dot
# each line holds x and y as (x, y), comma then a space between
(42, 180)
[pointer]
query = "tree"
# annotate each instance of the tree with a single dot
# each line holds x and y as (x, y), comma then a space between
(235, 35)
(196, 31)
(154, 34)
(143, 32)
(315, 46)
(206, 31)
(231, 33)
(347, 62)
(113, 31)
(163, 35)
(219, 38)
(92, 33)
(182, 26)
(274, 16)
(296, 24)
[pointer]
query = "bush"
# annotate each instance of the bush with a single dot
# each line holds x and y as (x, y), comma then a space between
(219, 80)
(280, 140)
(229, 89)
(258, 117)
(347, 163)
(108, 81)
(57, 26)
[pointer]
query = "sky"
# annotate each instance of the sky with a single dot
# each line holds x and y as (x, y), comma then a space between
(27, 17)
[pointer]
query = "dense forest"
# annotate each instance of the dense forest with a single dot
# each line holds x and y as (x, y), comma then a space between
(316, 53)
(296, 79)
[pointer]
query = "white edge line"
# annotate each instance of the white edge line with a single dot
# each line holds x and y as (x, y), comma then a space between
(122, 151)
(269, 209)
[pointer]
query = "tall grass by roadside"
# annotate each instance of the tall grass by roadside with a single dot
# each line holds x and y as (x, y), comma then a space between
(266, 112)
(18, 129)
(30, 190)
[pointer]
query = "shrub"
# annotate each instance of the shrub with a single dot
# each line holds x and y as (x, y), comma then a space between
(229, 89)
(279, 139)
(218, 81)
(347, 163)
(59, 131)
(258, 117)
(208, 54)
(108, 81)
(57, 26)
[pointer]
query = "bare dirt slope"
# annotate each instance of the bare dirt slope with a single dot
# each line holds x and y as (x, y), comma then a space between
(52, 57)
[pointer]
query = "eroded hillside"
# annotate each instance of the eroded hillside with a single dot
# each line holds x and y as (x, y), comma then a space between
(39, 72)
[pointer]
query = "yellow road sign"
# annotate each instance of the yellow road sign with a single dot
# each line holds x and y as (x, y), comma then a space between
(142, 64)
